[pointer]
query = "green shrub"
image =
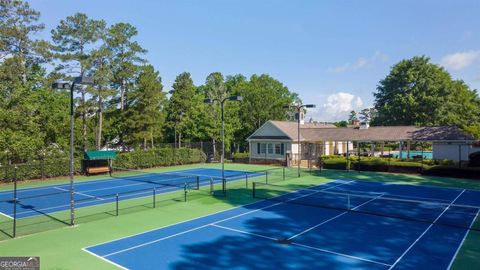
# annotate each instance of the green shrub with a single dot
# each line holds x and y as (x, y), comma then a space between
(240, 155)
(159, 157)
(50, 167)
(37, 169)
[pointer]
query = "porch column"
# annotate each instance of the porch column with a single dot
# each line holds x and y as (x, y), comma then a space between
(382, 148)
(400, 153)
(250, 152)
(408, 149)
(372, 149)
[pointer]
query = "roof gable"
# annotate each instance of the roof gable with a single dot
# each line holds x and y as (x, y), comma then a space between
(269, 131)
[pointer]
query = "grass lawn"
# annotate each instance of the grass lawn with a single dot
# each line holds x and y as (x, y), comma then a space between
(60, 248)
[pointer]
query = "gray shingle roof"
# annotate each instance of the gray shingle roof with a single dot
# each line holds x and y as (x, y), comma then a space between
(290, 128)
(328, 132)
(390, 133)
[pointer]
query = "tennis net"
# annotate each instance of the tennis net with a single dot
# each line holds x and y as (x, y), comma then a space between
(427, 211)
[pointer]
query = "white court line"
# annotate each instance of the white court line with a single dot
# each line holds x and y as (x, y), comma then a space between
(463, 240)
(426, 199)
(304, 246)
(209, 224)
(249, 233)
(79, 193)
(113, 187)
(96, 181)
(133, 194)
(86, 182)
(128, 195)
(104, 259)
(85, 202)
(188, 220)
(3, 214)
(333, 218)
(340, 254)
(424, 232)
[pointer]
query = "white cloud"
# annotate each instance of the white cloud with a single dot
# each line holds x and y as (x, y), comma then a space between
(360, 63)
(336, 107)
(460, 60)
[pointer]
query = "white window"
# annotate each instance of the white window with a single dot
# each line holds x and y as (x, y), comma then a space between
(263, 148)
(278, 149)
(270, 148)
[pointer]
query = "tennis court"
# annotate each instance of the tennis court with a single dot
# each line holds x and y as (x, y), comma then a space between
(339, 225)
(130, 184)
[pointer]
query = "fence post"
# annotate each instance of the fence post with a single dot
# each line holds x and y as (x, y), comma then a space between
(198, 182)
(224, 186)
(185, 192)
(246, 180)
(211, 186)
(459, 156)
(116, 205)
(154, 199)
(421, 161)
(266, 176)
(14, 202)
(42, 168)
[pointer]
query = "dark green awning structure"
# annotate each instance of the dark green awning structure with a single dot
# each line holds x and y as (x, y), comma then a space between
(100, 155)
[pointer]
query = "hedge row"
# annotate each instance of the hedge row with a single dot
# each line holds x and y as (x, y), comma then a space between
(428, 167)
(138, 159)
(37, 169)
(159, 157)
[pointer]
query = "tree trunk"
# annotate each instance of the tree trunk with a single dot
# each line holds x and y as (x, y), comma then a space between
(84, 122)
(214, 148)
(100, 124)
(151, 139)
(122, 108)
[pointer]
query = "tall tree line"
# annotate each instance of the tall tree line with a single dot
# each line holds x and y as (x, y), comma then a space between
(126, 107)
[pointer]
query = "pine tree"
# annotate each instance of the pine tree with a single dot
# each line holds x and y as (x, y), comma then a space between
(126, 62)
(144, 116)
(185, 101)
(74, 38)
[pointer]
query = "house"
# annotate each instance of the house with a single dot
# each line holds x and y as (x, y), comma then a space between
(278, 142)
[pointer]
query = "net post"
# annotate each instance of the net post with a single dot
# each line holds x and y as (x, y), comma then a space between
(154, 197)
(246, 180)
(283, 169)
(253, 189)
(116, 204)
(198, 182)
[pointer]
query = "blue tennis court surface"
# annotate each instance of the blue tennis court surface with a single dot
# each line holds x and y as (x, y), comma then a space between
(290, 234)
(54, 198)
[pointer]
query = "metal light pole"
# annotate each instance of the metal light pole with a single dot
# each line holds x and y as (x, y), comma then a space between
(298, 108)
(222, 105)
(65, 85)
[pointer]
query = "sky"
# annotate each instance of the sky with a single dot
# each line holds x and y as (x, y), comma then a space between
(333, 53)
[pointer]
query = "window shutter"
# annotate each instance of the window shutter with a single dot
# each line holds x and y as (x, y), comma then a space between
(258, 148)
(282, 149)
